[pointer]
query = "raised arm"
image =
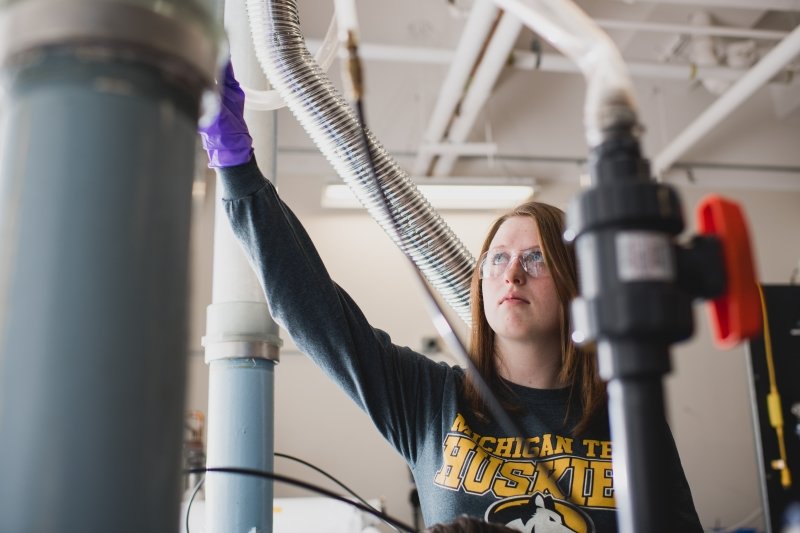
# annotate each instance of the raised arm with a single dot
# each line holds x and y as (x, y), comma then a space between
(393, 384)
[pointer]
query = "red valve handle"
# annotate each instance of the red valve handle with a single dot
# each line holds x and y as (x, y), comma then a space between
(736, 315)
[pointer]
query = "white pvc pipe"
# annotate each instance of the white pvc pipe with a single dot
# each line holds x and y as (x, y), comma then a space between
(640, 69)
(241, 342)
(476, 30)
(494, 59)
(610, 101)
(346, 18)
(760, 74)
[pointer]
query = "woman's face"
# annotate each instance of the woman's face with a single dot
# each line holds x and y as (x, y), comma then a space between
(519, 306)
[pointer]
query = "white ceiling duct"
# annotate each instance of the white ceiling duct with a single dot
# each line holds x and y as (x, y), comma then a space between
(711, 51)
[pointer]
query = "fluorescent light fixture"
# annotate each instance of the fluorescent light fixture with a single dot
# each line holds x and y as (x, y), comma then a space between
(483, 196)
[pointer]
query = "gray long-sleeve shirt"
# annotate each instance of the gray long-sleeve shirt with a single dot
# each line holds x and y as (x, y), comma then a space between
(460, 464)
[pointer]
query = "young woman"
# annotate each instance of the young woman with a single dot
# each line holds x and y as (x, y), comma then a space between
(556, 467)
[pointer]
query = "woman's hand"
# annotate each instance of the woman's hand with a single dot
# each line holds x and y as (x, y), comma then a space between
(227, 139)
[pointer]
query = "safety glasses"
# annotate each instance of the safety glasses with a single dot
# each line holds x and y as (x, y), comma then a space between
(495, 261)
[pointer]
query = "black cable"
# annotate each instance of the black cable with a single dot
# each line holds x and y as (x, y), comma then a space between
(308, 486)
(440, 320)
(303, 462)
(443, 324)
(191, 500)
(327, 475)
(413, 499)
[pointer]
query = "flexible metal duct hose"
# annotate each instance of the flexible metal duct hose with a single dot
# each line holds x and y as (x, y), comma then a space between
(333, 126)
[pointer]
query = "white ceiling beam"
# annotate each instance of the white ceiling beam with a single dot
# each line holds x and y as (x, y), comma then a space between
(476, 31)
(756, 77)
(480, 87)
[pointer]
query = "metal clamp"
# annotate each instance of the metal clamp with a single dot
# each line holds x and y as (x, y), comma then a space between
(262, 349)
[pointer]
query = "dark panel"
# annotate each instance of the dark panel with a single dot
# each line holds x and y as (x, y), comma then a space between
(783, 312)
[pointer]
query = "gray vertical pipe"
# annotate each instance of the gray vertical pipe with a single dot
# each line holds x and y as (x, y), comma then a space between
(242, 343)
(242, 347)
(97, 146)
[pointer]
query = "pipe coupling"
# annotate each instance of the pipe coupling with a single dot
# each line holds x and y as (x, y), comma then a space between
(240, 330)
(242, 349)
(185, 43)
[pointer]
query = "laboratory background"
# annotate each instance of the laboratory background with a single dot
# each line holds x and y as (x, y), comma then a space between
(110, 322)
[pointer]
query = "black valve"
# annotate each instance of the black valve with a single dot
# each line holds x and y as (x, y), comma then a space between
(636, 291)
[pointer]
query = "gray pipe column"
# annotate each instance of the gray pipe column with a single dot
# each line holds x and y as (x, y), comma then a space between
(97, 146)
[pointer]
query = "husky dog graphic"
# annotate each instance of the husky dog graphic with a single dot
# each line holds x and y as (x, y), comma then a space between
(543, 519)
(534, 514)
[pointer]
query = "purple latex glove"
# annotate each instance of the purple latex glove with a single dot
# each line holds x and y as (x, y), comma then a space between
(227, 139)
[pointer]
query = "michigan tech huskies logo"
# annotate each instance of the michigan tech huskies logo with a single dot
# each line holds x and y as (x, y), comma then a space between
(539, 513)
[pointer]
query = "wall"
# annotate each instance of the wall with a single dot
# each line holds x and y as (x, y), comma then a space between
(709, 400)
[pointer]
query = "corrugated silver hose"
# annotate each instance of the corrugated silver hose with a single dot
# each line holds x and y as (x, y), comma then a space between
(325, 115)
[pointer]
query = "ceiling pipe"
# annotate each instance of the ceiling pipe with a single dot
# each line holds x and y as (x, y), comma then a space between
(638, 69)
(761, 5)
(525, 60)
(477, 30)
(460, 149)
(690, 29)
(769, 66)
(702, 174)
(480, 87)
